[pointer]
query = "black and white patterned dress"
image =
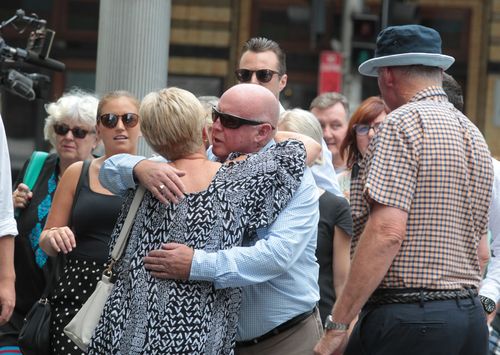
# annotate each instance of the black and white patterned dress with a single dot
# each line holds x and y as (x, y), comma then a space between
(145, 315)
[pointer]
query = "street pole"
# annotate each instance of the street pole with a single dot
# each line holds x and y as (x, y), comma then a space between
(352, 80)
(384, 16)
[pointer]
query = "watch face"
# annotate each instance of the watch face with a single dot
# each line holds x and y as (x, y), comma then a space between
(488, 304)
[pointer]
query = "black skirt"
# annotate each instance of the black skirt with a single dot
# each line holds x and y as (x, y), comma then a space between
(76, 284)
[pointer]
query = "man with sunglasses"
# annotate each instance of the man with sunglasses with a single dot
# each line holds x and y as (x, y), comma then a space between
(277, 271)
(263, 62)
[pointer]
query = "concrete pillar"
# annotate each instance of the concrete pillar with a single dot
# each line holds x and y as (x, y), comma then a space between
(133, 42)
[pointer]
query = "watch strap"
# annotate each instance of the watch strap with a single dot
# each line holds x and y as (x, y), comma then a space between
(330, 324)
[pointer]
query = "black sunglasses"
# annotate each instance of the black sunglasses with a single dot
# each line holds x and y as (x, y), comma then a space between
(263, 75)
(232, 121)
(110, 120)
(63, 129)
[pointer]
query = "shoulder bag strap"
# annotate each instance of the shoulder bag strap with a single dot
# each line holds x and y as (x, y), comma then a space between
(127, 226)
(53, 276)
(83, 173)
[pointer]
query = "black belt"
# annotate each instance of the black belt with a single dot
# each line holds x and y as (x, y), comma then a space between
(279, 329)
(412, 295)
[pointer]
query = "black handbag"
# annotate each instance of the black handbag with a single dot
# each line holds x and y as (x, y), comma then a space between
(34, 336)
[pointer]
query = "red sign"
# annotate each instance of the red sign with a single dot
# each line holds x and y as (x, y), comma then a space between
(330, 72)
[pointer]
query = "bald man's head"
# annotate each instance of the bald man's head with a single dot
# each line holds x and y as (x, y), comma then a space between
(258, 108)
(251, 101)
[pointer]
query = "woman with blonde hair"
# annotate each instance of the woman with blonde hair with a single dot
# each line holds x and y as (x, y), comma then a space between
(147, 314)
(83, 214)
(335, 221)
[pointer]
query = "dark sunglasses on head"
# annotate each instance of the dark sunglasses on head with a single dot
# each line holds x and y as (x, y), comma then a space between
(232, 121)
(263, 75)
(110, 120)
(363, 129)
(63, 129)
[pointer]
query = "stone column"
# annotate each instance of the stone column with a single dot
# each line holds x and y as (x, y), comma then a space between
(132, 50)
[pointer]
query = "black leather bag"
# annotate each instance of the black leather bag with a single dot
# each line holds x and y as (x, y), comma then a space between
(34, 337)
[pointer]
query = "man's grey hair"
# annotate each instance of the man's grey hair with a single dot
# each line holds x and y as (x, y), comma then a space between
(328, 99)
(454, 91)
(421, 71)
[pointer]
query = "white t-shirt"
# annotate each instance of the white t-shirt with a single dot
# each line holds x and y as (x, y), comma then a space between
(8, 224)
(490, 286)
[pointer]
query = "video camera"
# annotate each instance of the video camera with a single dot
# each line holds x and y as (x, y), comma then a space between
(36, 53)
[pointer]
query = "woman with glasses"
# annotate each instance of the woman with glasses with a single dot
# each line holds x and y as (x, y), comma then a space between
(83, 214)
(70, 129)
(363, 125)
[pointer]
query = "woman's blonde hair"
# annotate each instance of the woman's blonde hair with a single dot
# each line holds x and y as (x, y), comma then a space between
(172, 121)
(303, 122)
(112, 95)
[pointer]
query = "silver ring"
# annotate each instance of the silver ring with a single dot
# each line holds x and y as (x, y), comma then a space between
(161, 187)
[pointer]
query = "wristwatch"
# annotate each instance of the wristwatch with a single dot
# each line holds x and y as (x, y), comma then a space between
(331, 325)
(488, 304)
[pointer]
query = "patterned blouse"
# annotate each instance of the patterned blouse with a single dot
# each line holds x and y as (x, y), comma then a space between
(431, 161)
(145, 315)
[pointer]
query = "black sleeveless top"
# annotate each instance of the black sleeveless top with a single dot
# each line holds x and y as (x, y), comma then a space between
(94, 216)
(333, 211)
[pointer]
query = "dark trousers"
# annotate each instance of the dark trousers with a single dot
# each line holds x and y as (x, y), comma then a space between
(453, 327)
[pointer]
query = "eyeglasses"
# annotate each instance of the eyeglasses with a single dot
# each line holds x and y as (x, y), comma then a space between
(363, 129)
(110, 120)
(63, 129)
(232, 121)
(263, 75)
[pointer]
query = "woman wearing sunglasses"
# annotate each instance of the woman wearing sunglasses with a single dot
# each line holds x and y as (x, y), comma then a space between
(70, 129)
(363, 125)
(83, 215)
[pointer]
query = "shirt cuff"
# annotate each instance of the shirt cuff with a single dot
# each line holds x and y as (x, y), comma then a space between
(490, 290)
(8, 227)
(128, 173)
(203, 266)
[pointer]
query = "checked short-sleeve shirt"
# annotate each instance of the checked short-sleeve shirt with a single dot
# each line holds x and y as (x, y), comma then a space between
(429, 160)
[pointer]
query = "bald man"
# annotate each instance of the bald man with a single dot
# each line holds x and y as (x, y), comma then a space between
(247, 138)
(277, 271)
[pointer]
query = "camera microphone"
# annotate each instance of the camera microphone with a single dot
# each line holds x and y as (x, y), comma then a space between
(33, 58)
(20, 85)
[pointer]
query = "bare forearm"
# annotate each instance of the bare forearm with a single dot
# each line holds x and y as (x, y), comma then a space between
(370, 264)
(483, 253)
(7, 258)
(341, 259)
(378, 246)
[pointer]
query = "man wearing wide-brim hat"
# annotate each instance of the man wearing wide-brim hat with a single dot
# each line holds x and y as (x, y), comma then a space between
(420, 210)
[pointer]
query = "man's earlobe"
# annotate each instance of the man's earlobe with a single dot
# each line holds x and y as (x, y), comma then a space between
(283, 81)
